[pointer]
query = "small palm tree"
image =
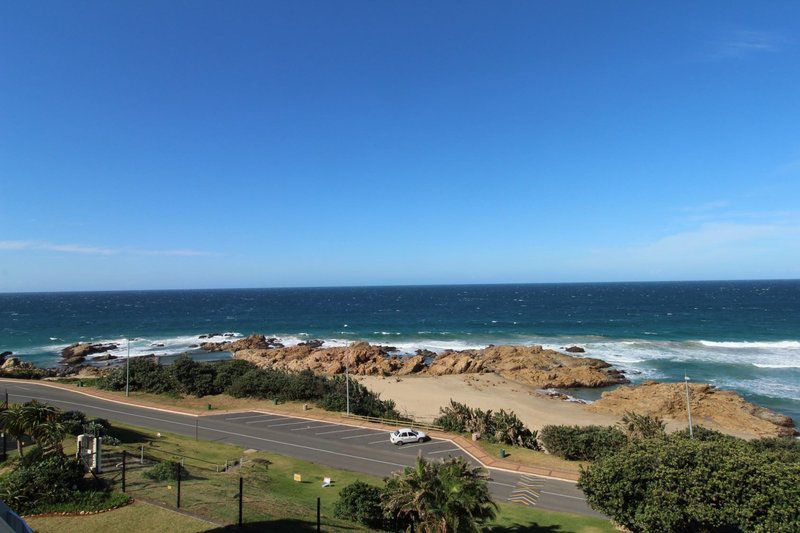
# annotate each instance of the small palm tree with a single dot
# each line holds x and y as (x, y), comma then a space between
(50, 436)
(14, 421)
(440, 497)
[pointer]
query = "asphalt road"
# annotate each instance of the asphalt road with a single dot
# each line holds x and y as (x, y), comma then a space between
(336, 445)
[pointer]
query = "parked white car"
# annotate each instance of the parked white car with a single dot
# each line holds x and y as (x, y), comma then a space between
(406, 435)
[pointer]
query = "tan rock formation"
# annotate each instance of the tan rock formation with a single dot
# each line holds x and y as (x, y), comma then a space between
(532, 365)
(711, 407)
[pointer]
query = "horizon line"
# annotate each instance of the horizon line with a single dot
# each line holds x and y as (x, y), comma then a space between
(404, 285)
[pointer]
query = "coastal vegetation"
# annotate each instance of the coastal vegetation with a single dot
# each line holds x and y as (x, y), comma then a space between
(241, 379)
(45, 479)
(498, 427)
(431, 496)
(711, 482)
(581, 443)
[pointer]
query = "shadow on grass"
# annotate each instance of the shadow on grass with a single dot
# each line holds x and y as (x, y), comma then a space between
(130, 436)
(526, 528)
(284, 524)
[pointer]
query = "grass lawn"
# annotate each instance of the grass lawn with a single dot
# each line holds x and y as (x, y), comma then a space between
(135, 517)
(535, 458)
(512, 517)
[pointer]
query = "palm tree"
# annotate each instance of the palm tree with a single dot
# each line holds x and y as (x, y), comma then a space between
(440, 497)
(14, 421)
(50, 436)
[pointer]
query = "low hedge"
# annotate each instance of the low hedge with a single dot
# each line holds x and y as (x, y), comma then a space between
(581, 443)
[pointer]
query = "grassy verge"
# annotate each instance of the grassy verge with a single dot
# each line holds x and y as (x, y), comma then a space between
(512, 517)
(524, 456)
(138, 516)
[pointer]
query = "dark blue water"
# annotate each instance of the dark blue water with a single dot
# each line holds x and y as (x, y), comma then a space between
(741, 335)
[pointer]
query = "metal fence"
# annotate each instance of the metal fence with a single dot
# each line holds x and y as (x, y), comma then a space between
(236, 492)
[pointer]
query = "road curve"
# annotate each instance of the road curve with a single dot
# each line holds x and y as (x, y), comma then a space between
(337, 445)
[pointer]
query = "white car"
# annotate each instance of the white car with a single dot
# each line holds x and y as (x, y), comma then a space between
(406, 435)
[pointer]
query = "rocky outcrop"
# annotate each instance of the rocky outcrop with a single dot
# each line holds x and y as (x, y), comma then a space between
(5, 354)
(711, 407)
(253, 342)
(574, 349)
(84, 349)
(532, 365)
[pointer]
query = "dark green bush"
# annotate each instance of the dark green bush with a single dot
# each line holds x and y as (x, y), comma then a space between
(500, 427)
(228, 372)
(581, 443)
(360, 502)
(362, 400)
(166, 471)
(73, 422)
(681, 484)
(244, 380)
(192, 377)
(49, 480)
(146, 374)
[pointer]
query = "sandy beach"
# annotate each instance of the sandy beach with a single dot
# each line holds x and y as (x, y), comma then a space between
(421, 397)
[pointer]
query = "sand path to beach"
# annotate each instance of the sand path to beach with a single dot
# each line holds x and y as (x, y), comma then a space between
(421, 397)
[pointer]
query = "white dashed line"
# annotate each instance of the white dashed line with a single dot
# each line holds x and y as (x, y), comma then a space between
(445, 451)
(340, 431)
(359, 436)
(314, 427)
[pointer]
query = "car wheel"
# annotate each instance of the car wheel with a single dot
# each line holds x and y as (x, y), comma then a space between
(400, 443)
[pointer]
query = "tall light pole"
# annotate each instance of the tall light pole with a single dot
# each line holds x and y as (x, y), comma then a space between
(688, 404)
(347, 376)
(128, 368)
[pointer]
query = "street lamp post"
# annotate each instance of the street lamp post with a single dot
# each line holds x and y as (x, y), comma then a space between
(688, 405)
(347, 377)
(128, 368)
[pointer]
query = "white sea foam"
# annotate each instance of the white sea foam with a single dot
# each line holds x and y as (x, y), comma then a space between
(781, 345)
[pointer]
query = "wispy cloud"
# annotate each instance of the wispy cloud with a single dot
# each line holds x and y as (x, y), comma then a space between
(745, 43)
(728, 248)
(97, 250)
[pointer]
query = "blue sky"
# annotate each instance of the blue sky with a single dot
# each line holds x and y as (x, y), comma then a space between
(255, 144)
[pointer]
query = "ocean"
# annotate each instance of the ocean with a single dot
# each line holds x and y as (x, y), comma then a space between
(741, 335)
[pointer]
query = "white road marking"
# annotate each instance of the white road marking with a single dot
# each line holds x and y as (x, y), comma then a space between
(561, 495)
(287, 423)
(245, 416)
(359, 436)
(445, 451)
(313, 427)
(273, 419)
(340, 431)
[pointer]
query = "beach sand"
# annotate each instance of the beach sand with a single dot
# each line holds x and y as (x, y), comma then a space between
(421, 397)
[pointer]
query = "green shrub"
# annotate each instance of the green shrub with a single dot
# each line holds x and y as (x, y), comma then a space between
(145, 375)
(166, 471)
(360, 502)
(244, 380)
(681, 484)
(362, 400)
(192, 377)
(500, 427)
(228, 372)
(49, 480)
(73, 421)
(642, 426)
(581, 443)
